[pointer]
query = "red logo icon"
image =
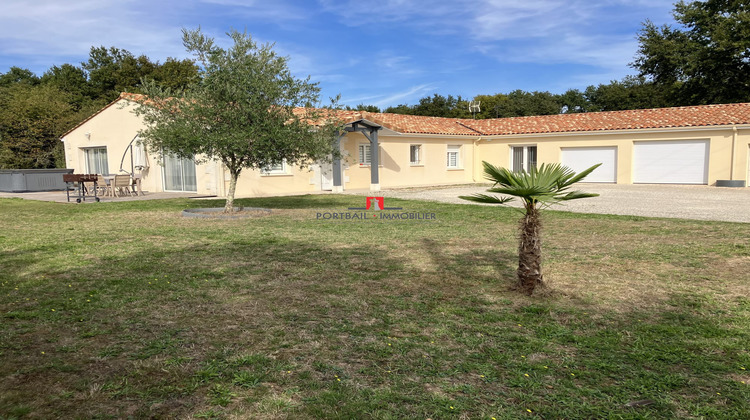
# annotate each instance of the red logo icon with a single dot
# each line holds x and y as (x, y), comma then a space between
(375, 203)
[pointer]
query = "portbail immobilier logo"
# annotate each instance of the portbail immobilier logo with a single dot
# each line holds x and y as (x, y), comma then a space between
(375, 210)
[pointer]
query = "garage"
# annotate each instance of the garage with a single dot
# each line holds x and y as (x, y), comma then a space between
(580, 158)
(670, 162)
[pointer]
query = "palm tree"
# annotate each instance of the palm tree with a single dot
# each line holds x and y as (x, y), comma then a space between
(537, 188)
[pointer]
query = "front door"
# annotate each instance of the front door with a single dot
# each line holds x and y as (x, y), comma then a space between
(179, 174)
(326, 176)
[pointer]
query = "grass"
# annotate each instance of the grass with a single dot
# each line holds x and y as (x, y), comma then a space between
(117, 310)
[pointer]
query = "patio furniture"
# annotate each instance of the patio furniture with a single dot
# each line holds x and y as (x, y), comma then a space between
(76, 183)
(102, 185)
(121, 185)
(109, 180)
(137, 184)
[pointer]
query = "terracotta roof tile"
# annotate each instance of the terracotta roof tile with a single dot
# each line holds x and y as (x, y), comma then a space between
(689, 116)
(415, 124)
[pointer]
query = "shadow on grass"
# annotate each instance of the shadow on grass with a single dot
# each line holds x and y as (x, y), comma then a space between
(310, 201)
(133, 329)
(487, 265)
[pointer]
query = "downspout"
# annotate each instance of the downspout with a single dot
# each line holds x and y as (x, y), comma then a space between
(474, 159)
(731, 164)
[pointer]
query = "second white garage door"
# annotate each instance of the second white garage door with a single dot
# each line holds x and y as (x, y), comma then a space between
(670, 162)
(580, 158)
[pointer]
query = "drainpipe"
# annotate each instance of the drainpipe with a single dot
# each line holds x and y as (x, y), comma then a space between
(474, 159)
(731, 164)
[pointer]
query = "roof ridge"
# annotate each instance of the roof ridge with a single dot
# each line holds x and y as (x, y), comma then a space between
(471, 128)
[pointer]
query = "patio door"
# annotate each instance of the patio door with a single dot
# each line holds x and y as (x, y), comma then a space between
(179, 174)
(326, 176)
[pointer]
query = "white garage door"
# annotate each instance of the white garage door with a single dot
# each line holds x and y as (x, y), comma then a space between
(671, 162)
(580, 158)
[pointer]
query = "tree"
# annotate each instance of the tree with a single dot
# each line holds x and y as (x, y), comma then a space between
(241, 111)
(519, 103)
(573, 101)
(32, 118)
(69, 79)
(18, 75)
(435, 106)
(176, 74)
(538, 188)
(630, 93)
(402, 109)
(112, 71)
(707, 60)
(363, 107)
(442, 106)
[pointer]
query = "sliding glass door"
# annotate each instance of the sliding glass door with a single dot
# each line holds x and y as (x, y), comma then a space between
(179, 174)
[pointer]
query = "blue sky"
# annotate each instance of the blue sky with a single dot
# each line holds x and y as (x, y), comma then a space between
(383, 52)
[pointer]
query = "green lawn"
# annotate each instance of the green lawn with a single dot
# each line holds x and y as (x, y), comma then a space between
(112, 310)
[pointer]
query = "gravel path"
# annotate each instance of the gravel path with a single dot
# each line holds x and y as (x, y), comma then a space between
(698, 202)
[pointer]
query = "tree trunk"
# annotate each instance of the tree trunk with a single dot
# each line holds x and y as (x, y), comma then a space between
(530, 251)
(229, 206)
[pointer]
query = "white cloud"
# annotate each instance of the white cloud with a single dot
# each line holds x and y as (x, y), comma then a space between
(51, 31)
(391, 98)
(276, 11)
(63, 29)
(541, 30)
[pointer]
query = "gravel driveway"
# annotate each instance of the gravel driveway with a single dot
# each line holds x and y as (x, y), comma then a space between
(698, 202)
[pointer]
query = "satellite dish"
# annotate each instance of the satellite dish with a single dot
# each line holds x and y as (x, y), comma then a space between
(474, 107)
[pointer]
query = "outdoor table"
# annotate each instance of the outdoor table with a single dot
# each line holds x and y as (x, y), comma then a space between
(76, 182)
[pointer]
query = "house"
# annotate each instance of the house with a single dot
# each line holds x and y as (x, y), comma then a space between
(682, 145)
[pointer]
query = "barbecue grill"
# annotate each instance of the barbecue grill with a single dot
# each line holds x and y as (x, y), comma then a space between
(76, 183)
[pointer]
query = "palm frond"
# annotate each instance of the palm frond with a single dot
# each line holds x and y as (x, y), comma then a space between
(546, 184)
(580, 175)
(574, 195)
(486, 199)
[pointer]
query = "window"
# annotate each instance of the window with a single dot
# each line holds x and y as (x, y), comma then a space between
(96, 160)
(365, 157)
(364, 154)
(415, 154)
(524, 157)
(275, 169)
(453, 157)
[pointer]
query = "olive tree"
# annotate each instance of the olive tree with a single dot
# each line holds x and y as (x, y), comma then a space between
(246, 110)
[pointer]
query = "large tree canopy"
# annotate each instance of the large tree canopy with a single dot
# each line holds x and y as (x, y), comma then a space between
(35, 111)
(705, 61)
(240, 111)
(31, 121)
(630, 93)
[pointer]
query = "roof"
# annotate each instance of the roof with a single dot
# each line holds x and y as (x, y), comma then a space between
(638, 119)
(417, 124)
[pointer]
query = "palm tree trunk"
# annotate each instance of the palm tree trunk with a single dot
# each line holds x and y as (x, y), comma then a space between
(530, 251)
